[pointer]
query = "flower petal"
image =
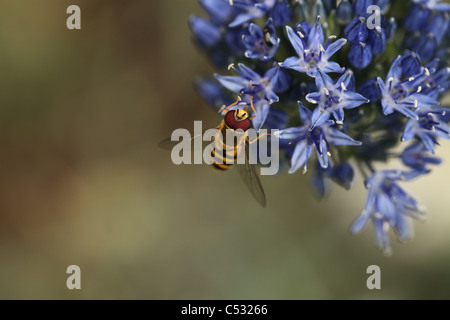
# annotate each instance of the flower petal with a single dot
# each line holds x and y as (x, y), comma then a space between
(296, 42)
(232, 83)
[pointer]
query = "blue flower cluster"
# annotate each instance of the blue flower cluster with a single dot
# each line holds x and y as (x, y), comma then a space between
(347, 83)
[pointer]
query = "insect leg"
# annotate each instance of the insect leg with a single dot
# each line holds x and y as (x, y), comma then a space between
(262, 135)
(253, 108)
(225, 108)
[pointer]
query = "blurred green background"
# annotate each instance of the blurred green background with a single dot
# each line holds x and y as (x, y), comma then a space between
(82, 181)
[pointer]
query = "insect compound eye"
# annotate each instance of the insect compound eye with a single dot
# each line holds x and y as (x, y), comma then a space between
(230, 121)
(244, 125)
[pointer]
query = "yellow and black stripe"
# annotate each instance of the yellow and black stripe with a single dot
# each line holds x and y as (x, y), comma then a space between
(225, 155)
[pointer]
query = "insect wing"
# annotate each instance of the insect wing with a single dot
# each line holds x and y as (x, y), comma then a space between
(248, 173)
(168, 144)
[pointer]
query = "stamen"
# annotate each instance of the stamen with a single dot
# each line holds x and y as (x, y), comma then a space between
(339, 122)
(332, 37)
(250, 83)
(243, 103)
(322, 110)
(231, 2)
(419, 89)
(301, 35)
(390, 80)
(416, 104)
(231, 66)
(444, 113)
(321, 48)
(329, 153)
(427, 72)
(411, 79)
(311, 100)
(326, 91)
(305, 169)
(343, 86)
(271, 101)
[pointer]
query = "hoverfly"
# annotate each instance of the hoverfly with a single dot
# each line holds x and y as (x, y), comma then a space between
(233, 120)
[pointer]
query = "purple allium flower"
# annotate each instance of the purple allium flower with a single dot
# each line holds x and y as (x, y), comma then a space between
(389, 206)
(264, 88)
(312, 54)
(320, 139)
(394, 75)
(332, 98)
(404, 95)
(418, 157)
(250, 9)
(261, 44)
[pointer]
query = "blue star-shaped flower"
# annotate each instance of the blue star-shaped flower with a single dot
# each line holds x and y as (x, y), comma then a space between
(417, 157)
(250, 9)
(428, 127)
(312, 54)
(261, 44)
(319, 138)
(262, 88)
(333, 97)
(435, 5)
(404, 96)
(438, 82)
(388, 206)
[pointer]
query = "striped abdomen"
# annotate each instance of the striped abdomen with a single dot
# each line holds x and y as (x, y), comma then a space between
(225, 152)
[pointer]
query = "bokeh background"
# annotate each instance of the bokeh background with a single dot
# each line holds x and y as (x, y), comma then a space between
(83, 182)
